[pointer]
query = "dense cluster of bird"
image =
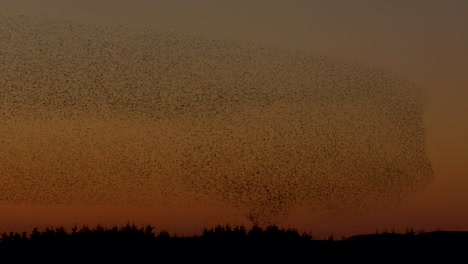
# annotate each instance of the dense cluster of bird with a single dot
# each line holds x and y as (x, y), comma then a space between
(115, 115)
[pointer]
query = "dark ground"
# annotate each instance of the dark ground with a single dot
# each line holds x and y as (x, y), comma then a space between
(225, 244)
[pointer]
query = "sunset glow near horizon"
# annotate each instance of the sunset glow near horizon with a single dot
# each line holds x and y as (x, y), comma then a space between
(112, 115)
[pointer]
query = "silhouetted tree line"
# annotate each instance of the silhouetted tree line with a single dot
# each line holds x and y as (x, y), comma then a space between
(131, 234)
(236, 241)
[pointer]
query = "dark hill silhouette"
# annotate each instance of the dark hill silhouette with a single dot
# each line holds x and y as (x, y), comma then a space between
(236, 243)
(435, 236)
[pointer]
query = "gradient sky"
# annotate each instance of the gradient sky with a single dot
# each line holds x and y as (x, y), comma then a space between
(425, 41)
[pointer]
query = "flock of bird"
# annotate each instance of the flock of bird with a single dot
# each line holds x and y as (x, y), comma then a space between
(117, 115)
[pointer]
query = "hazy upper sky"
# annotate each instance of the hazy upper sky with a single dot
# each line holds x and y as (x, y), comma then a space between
(424, 41)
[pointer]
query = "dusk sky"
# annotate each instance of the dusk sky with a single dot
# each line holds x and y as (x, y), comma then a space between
(423, 42)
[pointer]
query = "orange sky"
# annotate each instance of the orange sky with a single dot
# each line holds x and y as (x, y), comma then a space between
(425, 41)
